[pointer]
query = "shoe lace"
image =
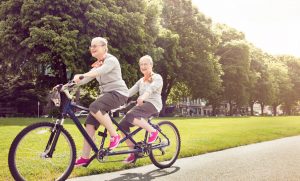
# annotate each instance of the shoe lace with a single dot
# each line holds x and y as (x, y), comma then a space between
(112, 139)
(152, 133)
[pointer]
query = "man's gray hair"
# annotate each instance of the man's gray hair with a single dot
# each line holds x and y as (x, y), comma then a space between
(149, 58)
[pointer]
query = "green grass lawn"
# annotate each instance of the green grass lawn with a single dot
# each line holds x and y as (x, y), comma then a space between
(198, 135)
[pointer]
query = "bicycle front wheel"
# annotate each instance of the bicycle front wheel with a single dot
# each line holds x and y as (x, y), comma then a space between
(28, 155)
(166, 148)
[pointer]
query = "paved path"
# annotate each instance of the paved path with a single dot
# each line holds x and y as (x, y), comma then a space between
(268, 161)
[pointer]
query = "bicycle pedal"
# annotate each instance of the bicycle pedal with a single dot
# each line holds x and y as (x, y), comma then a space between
(102, 134)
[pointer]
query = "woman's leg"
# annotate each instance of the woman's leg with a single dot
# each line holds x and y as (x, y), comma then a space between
(125, 125)
(128, 142)
(104, 103)
(90, 129)
(143, 124)
(106, 122)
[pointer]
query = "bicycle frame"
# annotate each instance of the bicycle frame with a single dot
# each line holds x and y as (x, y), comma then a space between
(67, 108)
(55, 150)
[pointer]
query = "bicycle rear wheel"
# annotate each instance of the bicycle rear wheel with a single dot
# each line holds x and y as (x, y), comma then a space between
(169, 138)
(28, 158)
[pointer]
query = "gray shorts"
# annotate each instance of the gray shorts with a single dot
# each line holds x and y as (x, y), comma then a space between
(145, 111)
(105, 103)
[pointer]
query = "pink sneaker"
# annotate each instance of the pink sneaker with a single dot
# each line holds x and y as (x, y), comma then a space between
(81, 162)
(114, 141)
(129, 159)
(152, 137)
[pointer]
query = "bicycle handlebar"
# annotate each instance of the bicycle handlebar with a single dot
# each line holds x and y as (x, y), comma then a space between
(65, 88)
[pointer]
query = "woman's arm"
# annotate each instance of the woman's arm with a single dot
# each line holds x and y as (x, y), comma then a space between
(156, 84)
(107, 66)
(80, 81)
(134, 89)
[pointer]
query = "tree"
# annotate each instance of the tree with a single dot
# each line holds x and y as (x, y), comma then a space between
(292, 95)
(264, 87)
(191, 60)
(54, 36)
(235, 63)
(233, 53)
(258, 68)
(281, 84)
(178, 91)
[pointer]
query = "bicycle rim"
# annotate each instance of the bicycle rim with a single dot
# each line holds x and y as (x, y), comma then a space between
(27, 156)
(166, 156)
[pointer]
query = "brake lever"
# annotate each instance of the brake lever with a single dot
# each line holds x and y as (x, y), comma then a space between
(71, 84)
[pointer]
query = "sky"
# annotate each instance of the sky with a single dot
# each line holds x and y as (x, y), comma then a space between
(271, 25)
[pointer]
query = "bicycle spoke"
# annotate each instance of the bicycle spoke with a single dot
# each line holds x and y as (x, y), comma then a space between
(28, 159)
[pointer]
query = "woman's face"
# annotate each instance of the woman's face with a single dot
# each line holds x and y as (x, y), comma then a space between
(97, 49)
(145, 66)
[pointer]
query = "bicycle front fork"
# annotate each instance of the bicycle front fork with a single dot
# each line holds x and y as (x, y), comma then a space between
(51, 144)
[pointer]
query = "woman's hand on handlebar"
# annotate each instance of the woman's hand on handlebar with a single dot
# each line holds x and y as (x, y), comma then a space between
(78, 77)
(139, 102)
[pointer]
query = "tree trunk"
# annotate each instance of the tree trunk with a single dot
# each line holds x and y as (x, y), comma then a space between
(262, 106)
(230, 108)
(251, 108)
(63, 73)
(275, 110)
(214, 110)
(164, 95)
(163, 110)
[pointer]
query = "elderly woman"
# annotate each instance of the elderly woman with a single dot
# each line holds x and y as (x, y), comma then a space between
(148, 103)
(114, 93)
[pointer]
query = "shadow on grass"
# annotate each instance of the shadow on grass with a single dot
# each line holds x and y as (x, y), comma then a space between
(147, 176)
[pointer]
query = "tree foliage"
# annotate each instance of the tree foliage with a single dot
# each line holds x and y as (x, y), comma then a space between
(189, 54)
(43, 43)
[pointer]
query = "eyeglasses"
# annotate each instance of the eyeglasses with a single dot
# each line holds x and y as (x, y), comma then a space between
(95, 46)
(144, 64)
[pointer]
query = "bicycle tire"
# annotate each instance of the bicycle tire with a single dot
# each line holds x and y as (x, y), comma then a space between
(163, 158)
(30, 164)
